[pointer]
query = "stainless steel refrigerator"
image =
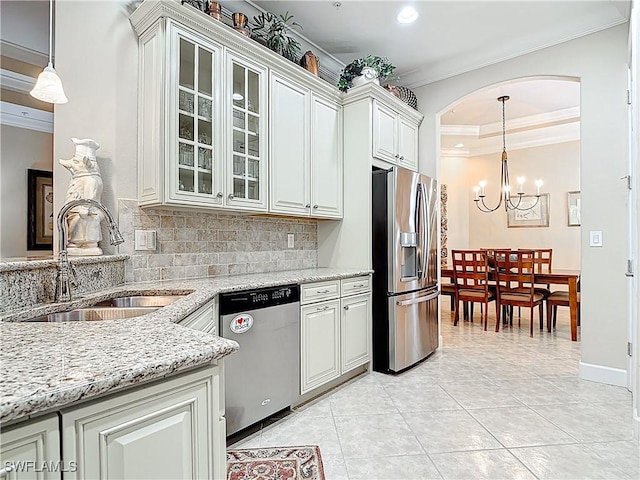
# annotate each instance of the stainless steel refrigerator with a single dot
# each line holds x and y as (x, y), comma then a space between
(405, 281)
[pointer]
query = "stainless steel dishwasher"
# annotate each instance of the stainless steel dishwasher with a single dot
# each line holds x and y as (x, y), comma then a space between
(263, 377)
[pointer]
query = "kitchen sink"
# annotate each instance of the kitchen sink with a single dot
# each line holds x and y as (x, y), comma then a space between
(140, 301)
(93, 314)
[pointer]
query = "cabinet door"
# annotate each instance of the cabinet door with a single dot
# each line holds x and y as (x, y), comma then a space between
(167, 430)
(326, 159)
(289, 155)
(195, 159)
(407, 144)
(355, 329)
(384, 133)
(27, 447)
(246, 141)
(319, 346)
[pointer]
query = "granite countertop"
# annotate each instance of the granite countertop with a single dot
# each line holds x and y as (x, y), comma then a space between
(47, 366)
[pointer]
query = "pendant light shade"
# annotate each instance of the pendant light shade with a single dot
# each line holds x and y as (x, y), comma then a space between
(48, 87)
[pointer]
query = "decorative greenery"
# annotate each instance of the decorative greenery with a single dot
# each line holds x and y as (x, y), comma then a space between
(273, 31)
(381, 65)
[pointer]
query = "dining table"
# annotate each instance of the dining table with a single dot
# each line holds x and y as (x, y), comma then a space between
(554, 277)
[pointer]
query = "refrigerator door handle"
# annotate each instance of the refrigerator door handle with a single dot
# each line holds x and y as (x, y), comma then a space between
(420, 200)
(426, 241)
(413, 301)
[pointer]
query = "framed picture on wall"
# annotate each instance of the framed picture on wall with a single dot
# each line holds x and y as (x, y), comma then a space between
(532, 212)
(574, 209)
(39, 210)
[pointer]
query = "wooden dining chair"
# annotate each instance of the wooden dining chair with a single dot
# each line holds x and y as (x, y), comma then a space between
(515, 283)
(471, 281)
(542, 258)
(555, 300)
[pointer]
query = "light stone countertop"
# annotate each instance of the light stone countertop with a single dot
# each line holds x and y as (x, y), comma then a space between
(47, 366)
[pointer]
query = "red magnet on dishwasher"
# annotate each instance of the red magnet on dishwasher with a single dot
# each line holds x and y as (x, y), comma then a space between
(241, 323)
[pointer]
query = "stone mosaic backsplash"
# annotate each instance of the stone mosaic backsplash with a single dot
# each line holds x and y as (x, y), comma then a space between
(202, 244)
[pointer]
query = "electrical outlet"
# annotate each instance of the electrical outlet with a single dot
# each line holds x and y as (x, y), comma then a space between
(290, 240)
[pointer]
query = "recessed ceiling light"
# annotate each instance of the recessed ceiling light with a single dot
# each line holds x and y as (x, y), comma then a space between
(407, 15)
(237, 97)
(459, 145)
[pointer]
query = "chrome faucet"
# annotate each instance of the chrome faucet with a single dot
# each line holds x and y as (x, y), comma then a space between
(63, 283)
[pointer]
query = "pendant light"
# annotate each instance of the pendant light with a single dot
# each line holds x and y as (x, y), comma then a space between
(505, 187)
(48, 87)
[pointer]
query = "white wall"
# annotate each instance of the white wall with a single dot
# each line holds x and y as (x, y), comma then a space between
(97, 59)
(20, 149)
(599, 61)
(454, 172)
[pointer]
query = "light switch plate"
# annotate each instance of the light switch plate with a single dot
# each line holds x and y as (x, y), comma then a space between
(595, 238)
(144, 240)
(290, 240)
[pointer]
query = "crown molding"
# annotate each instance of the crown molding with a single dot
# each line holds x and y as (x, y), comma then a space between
(464, 130)
(23, 54)
(26, 117)
(16, 82)
(565, 115)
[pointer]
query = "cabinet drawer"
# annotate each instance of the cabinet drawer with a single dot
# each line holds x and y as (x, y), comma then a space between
(314, 292)
(351, 286)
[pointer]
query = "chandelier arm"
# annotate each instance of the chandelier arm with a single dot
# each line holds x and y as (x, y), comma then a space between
(517, 205)
(482, 206)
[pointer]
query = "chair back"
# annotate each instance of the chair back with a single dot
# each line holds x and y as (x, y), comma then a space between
(470, 270)
(541, 259)
(515, 271)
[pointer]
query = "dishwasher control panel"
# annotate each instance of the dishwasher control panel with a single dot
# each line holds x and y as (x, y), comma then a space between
(260, 298)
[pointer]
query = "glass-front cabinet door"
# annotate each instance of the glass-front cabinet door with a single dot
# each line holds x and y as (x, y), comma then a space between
(196, 174)
(246, 180)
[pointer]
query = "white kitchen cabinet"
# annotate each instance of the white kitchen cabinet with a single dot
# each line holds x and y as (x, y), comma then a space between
(204, 319)
(395, 137)
(306, 177)
(320, 344)
(31, 450)
(180, 141)
(355, 331)
(246, 179)
(335, 331)
(171, 429)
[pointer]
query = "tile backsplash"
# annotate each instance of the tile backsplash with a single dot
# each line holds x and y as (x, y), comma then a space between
(194, 244)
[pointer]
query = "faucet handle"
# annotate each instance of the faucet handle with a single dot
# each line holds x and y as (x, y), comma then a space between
(73, 276)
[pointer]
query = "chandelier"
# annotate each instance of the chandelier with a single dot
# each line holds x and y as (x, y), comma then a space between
(505, 186)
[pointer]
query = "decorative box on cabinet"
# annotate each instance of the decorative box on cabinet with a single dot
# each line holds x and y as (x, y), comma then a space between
(172, 429)
(25, 448)
(306, 176)
(335, 331)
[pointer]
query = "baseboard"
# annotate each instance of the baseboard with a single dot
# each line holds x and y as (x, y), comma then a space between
(602, 374)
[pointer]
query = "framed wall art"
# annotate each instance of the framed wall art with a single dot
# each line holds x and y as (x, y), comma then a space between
(533, 212)
(39, 210)
(573, 212)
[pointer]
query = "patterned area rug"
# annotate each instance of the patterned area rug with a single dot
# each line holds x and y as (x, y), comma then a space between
(281, 463)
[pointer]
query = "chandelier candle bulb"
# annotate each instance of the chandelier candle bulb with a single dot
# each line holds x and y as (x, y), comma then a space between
(520, 185)
(476, 189)
(482, 184)
(538, 185)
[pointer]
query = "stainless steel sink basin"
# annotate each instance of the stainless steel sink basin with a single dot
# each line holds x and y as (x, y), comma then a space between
(93, 314)
(140, 301)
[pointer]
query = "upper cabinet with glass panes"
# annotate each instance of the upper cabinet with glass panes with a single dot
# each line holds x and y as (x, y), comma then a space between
(246, 148)
(204, 109)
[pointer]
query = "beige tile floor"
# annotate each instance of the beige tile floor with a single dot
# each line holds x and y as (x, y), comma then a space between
(486, 406)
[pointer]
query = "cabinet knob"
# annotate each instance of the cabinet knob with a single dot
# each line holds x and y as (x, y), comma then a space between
(346, 307)
(230, 197)
(308, 205)
(401, 157)
(219, 195)
(397, 156)
(315, 206)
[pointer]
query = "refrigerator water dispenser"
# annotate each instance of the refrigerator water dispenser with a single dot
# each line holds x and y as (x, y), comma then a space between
(409, 265)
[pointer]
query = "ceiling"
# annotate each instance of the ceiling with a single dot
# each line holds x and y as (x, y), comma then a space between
(452, 37)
